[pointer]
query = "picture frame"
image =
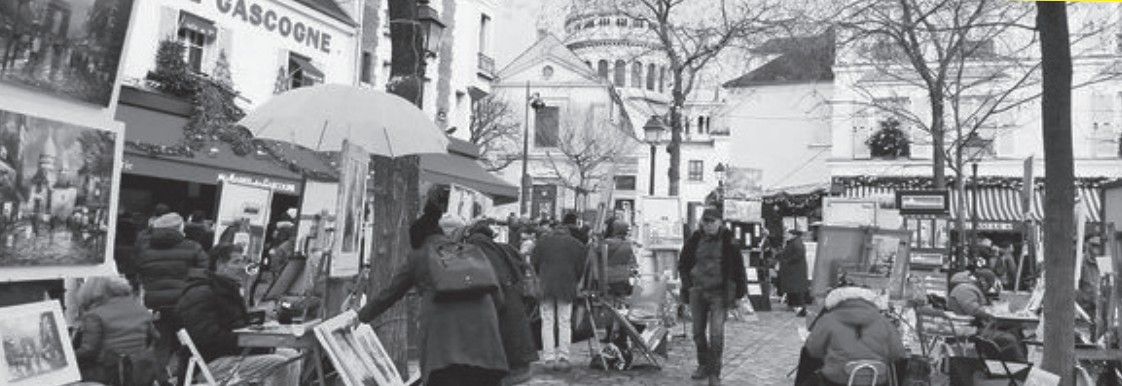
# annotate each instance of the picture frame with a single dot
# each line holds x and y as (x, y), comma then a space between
(242, 216)
(356, 352)
(36, 348)
(59, 183)
(350, 207)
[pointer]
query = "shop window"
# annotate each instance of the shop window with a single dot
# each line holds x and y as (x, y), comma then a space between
(625, 182)
(197, 36)
(301, 72)
(546, 126)
(696, 170)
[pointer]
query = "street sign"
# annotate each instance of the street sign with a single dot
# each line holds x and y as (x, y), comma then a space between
(935, 201)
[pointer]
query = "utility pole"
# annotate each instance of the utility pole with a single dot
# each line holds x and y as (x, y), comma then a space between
(1059, 189)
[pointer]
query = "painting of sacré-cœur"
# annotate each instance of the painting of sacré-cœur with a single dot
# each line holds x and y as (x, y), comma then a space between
(69, 48)
(56, 183)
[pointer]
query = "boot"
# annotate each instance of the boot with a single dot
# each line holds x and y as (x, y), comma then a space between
(714, 380)
(699, 373)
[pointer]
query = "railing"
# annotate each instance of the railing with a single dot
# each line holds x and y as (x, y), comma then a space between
(486, 65)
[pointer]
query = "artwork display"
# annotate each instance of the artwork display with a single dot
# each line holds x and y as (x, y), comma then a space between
(317, 215)
(662, 222)
(867, 256)
(57, 183)
(36, 349)
(242, 217)
(357, 353)
(349, 208)
(68, 48)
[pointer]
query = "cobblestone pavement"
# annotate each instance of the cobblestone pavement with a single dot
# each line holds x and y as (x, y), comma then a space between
(760, 352)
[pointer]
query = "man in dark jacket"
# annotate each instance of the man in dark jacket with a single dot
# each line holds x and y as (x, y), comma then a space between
(212, 307)
(713, 278)
(792, 271)
(163, 266)
(558, 259)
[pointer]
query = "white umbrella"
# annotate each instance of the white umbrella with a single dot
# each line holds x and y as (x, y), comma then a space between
(322, 116)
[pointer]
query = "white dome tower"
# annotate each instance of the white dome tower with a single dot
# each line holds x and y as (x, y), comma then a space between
(619, 47)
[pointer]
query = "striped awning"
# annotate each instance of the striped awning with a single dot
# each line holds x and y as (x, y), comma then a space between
(995, 204)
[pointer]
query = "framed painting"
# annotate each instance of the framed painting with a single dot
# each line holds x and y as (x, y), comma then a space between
(36, 348)
(58, 191)
(357, 353)
(65, 48)
(242, 217)
(350, 207)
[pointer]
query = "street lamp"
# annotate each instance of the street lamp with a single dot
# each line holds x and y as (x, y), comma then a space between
(533, 102)
(973, 149)
(652, 134)
(432, 29)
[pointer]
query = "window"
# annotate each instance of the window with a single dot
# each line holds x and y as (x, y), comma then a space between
(982, 48)
(603, 22)
(367, 67)
(625, 182)
(696, 170)
(484, 34)
(639, 23)
(884, 49)
(1104, 131)
(301, 72)
(701, 124)
(637, 75)
(661, 78)
(602, 69)
(546, 126)
(620, 74)
(621, 22)
(196, 34)
(589, 23)
(651, 77)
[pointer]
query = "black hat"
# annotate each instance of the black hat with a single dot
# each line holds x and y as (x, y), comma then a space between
(712, 213)
(795, 232)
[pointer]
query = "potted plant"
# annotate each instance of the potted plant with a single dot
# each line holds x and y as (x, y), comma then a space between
(889, 141)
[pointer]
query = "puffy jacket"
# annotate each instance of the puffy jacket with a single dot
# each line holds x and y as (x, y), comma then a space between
(966, 298)
(620, 260)
(211, 308)
(852, 329)
(164, 264)
(119, 326)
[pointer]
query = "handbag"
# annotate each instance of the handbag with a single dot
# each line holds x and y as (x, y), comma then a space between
(532, 285)
(460, 270)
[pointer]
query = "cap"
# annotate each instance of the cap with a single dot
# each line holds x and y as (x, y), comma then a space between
(795, 232)
(712, 213)
(170, 220)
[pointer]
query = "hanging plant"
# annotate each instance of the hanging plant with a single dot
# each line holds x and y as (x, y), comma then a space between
(890, 141)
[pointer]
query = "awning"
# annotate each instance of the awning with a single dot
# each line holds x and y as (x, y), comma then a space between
(190, 21)
(995, 204)
(308, 70)
(457, 169)
(204, 169)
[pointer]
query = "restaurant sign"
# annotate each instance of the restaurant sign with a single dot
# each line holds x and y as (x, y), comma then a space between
(273, 21)
(261, 182)
(923, 201)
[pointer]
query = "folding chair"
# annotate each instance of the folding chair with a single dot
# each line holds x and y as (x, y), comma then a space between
(994, 366)
(196, 360)
(942, 334)
(869, 372)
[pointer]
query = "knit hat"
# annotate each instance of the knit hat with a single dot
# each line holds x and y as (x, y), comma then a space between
(712, 213)
(170, 220)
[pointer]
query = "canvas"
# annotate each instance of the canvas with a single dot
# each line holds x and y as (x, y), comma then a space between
(68, 48)
(242, 217)
(57, 190)
(36, 349)
(357, 353)
(350, 207)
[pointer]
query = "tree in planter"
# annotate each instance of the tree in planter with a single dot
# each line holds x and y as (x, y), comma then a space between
(172, 75)
(890, 141)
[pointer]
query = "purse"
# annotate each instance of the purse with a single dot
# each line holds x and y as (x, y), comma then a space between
(460, 270)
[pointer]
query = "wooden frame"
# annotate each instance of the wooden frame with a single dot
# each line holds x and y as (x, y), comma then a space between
(356, 352)
(36, 348)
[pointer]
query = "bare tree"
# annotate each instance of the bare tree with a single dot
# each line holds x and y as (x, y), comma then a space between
(493, 127)
(586, 151)
(692, 34)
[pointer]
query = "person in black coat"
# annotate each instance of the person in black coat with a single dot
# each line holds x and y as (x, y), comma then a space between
(558, 258)
(713, 278)
(793, 279)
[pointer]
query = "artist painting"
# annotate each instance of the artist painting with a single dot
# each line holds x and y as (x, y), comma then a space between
(70, 48)
(56, 183)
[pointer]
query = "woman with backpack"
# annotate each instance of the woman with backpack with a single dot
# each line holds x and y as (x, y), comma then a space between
(115, 329)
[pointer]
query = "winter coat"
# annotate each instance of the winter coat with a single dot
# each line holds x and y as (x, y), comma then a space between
(211, 308)
(518, 340)
(164, 264)
(851, 329)
(733, 274)
(620, 260)
(966, 298)
(453, 332)
(119, 326)
(558, 258)
(792, 268)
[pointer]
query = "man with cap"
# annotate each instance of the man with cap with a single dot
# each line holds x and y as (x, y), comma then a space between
(713, 278)
(163, 267)
(792, 271)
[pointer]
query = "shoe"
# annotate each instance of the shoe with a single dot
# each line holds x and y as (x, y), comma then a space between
(699, 373)
(801, 313)
(517, 376)
(550, 365)
(714, 380)
(564, 365)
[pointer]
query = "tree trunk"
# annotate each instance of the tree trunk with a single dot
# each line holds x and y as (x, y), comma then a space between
(396, 196)
(675, 146)
(938, 142)
(1059, 188)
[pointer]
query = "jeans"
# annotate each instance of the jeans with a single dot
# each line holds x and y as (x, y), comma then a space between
(556, 313)
(709, 311)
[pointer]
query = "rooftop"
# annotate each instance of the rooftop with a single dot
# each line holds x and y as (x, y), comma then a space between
(800, 60)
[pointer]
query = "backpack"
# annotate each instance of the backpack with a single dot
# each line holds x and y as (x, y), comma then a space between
(460, 270)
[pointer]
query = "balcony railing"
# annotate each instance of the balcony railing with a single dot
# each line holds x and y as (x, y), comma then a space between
(486, 66)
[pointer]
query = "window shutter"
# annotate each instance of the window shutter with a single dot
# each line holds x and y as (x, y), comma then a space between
(225, 37)
(169, 23)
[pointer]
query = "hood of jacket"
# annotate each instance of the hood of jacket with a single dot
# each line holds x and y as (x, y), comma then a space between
(962, 277)
(841, 294)
(164, 238)
(856, 313)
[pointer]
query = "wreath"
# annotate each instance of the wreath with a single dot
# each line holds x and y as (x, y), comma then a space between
(890, 141)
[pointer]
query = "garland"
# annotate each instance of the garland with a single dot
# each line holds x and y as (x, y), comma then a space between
(923, 182)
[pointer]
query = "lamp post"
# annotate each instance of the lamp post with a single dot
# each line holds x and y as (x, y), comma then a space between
(652, 134)
(533, 102)
(432, 29)
(974, 147)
